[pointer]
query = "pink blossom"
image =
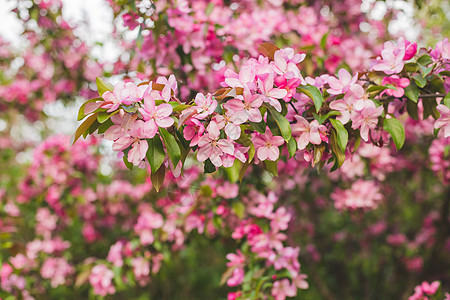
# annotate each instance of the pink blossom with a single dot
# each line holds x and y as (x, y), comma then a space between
(300, 281)
(235, 260)
(115, 254)
(397, 82)
(307, 132)
(193, 131)
(285, 63)
(442, 50)
(57, 270)
(205, 105)
(267, 145)
(343, 84)
(410, 50)
(367, 119)
(430, 289)
(141, 267)
(230, 121)
(101, 280)
(444, 120)
(155, 116)
(247, 105)
(246, 76)
(269, 93)
(122, 123)
(280, 219)
(236, 277)
(239, 153)
(362, 194)
(210, 146)
(346, 106)
(124, 93)
(282, 289)
(392, 59)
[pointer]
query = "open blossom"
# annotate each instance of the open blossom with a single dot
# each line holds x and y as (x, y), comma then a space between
(101, 280)
(307, 132)
(132, 138)
(343, 84)
(124, 93)
(367, 119)
(193, 131)
(246, 105)
(267, 145)
(280, 219)
(155, 116)
(122, 124)
(57, 270)
(236, 261)
(444, 120)
(398, 82)
(169, 86)
(442, 50)
(362, 194)
(282, 289)
(205, 105)
(230, 121)
(422, 291)
(246, 76)
(239, 153)
(269, 93)
(391, 59)
(285, 63)
(346, 106)
(210, 146)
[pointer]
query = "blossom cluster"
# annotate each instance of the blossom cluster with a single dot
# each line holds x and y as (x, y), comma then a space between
(266, 107)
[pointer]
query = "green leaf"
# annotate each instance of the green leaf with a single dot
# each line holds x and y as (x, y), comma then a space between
(411, 108)
(412, 91)
(318, 153)
(92, 128)
(259, 127)
(323, 41)
(282, 123)
(103, 127)
(155, 153)
(81, 114)
(209, 8)
(322, 118)
(425, 70)
(424, 60)
(84, 127)
(292, 147)
(127, 163)
(103, 86)
(447, 100)
(209, 167)
(420, 81)
(102, 116)
(338, 153)
(313, 93)
(445, 73)
(395, 128)
(341, 132)
(411, 67)
(272, 167)
(181, 107)
(233, 171)
(239, 209)
(158, 177)
(171, 145)
(429, 108)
